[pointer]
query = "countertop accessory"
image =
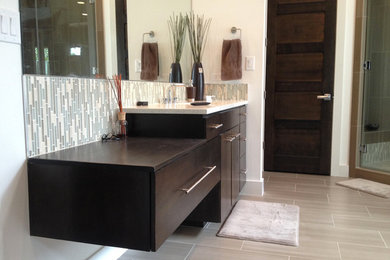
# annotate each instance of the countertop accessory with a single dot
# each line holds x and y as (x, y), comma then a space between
(198, 28)
(200, 103)
(190, 90)
(177, 30)
(209, 98)
(142, 103)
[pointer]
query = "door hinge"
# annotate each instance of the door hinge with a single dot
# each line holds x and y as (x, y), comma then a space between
(367, 65)
(363, 148)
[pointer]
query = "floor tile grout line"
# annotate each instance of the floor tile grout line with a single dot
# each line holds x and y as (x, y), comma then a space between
(242, 245)
(368, 211)
(338, 248)
(384, 241)
(331, 215)
(189, 252)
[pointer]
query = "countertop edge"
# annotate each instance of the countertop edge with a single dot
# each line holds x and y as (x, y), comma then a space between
(184, 108)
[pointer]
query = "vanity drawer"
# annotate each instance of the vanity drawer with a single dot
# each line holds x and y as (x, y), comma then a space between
(214, 126)
(182, 185)
(230, 118)
(221, 122)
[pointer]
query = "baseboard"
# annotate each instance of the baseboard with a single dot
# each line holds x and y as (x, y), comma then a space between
(340, 171)
(253, 187)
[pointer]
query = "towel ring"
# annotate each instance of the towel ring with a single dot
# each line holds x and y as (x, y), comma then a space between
(235, 29)
(151, 35)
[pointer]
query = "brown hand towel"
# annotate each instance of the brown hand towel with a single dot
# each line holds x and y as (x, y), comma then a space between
(149, 61)
(231, 66)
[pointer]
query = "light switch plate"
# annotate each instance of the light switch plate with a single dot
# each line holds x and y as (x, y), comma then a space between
(9, 26)
(250, 63)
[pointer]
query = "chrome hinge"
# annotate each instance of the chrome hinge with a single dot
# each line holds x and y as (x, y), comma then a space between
(367, 65)
(363, 148)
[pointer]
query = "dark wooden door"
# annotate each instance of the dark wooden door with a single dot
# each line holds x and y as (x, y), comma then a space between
(300, 67)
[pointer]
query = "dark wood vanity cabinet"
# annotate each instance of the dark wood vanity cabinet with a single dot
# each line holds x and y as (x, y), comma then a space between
(134, 193)
(131, 194)
(229, 126)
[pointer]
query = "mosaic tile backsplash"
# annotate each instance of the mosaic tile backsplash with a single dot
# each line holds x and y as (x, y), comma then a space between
(63, 112)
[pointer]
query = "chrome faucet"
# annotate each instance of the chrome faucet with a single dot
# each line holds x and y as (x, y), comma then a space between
(170, 99)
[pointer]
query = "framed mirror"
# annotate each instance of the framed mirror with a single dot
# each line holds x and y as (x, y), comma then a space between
(71, 38)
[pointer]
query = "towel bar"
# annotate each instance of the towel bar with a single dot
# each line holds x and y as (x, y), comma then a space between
(235, 29)
(151, 35)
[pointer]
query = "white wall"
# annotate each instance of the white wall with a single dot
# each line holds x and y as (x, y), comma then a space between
(15, 241)
(250, 16)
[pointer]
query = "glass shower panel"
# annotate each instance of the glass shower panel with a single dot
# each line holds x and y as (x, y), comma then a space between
(375, 138)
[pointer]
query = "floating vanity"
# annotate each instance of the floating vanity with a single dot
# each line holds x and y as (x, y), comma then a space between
(180, 163)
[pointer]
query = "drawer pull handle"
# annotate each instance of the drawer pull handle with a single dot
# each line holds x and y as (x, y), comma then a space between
(244, 171)
(243, 114)
(231, 138)
(210, 170)
(215, 126)
(243, 139)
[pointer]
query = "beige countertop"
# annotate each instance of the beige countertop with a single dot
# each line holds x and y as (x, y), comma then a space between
(185, 108)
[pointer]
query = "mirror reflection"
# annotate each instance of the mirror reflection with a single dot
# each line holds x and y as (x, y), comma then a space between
(65, 38)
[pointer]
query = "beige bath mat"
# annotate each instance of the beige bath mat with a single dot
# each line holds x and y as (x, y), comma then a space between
(264, 222)
(371, 187)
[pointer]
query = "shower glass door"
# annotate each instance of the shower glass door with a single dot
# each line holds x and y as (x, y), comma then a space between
(375, 138)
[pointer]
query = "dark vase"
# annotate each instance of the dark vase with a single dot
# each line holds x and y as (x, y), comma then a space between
(175, 75)
(197, 77)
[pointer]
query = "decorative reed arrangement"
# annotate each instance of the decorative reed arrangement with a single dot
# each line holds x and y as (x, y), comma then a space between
(198, 28)
(177, 29)
(116, 87)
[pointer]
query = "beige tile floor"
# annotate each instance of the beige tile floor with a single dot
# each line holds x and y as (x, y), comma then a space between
(335, 223)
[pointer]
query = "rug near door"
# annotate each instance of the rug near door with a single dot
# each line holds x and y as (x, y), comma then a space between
(371, 187)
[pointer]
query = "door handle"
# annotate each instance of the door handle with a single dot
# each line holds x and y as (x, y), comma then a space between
(325, 97)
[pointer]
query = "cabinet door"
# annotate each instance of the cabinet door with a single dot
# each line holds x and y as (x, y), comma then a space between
(235, 160)
(226, 177)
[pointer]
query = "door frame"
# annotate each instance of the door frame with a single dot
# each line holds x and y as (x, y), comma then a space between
(357, 104)
(328, 82)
